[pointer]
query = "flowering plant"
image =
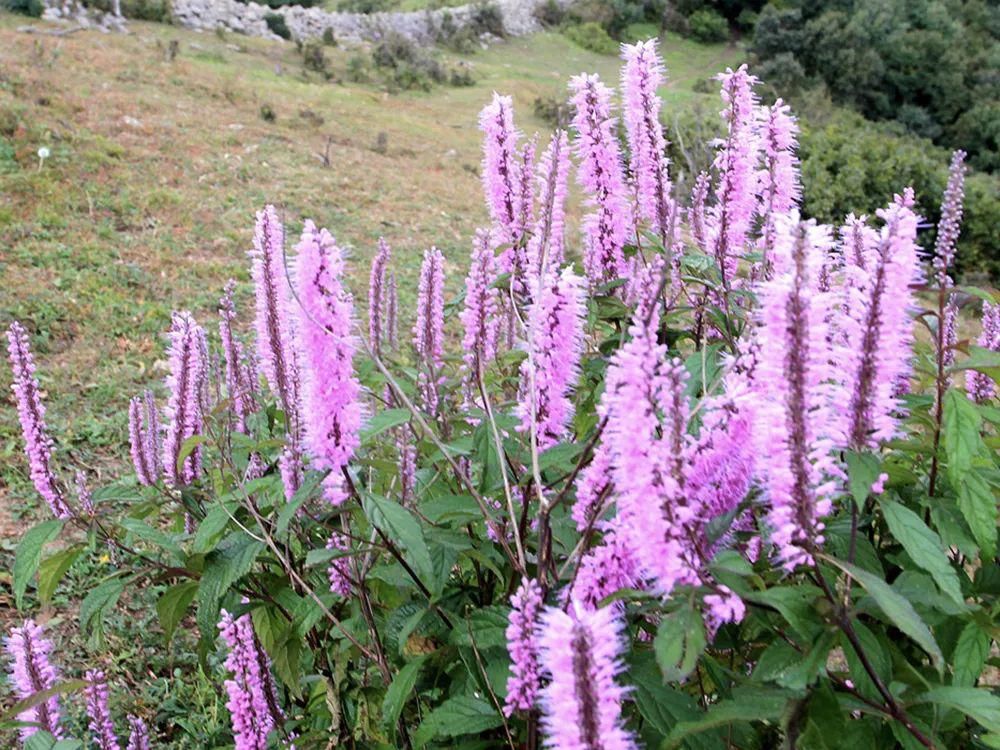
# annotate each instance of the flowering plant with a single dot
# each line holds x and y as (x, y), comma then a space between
(702, 488)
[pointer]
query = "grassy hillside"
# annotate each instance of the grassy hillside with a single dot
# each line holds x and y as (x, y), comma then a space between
(146, 202)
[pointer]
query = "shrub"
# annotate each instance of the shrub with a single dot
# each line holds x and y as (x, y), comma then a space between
(276, 24)
(314, 58)
(591, 36)
(708, 26)
(550, 14)
(712, 494)
(33, 8)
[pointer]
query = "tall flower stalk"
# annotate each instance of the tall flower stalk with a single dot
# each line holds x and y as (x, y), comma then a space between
(428, 332)
(522, 645)
(546, 247)
(144, 438)
(331, 393)
(980, 386)
(241, 373)
(480, 316)
(184, 416)
(500, 168)
(378, 291)
(31, 412)
(31, 672)
(601, 176)
(778, 180)
(101, 726)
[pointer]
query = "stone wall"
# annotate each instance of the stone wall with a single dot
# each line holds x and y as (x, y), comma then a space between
(306, 23)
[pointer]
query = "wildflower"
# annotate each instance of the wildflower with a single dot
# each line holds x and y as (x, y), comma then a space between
(606, 569)
(83, 494)
(951, 219)
(515, 259)
(480, 316)
(31, 672)
(138, 736)
(186, 352)
(144, 438)
(339, 570)
(99, 713)
(392, 302)
(642, 75)
(428, 333)
(273, 322)
(31, 412)
(722, 607)
(241, 375)
(332, 411)
(877, 330)
(546, 247)
(601, 176)
(592, 486)
(696, 214)
(407, 465)
(500, 173)
(735, 163)
(780, 188)
(522, 645)
(555, 344)
(581, 704)
(377, 292)
(252, 701)
(791, 380)
(981, 387)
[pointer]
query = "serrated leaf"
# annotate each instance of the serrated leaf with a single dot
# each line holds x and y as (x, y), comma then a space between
(971, 652)
(399, 691)
(488, 626)
(962, 441)
(978, 704)
(312, 481)
(680, 641)
(187, 448)
(212, 527)
(896, 608)
(172, 606)
(383, 421)
(53, 568)
(459, 716)
(400, 526)
(862, 472)
(756, 704)
(102, 598)
(223, 568)
(979, 507)
(147, 533)
(29, 554)
(923, 546)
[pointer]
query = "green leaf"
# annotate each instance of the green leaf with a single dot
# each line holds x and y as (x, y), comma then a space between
(102, 598)
(312, 480)
(399, 691)
(223, 568)
(862, 471)
(382, 421)
(979, 507)
(978, 704)
(984, 360)
(962, 440)
(53, 568)
(29, 554)
(797, 604)
(147, 533)
(400, 526)
(923, 546)
(488, 626)
(212, 527)
(172, 606)
(187, 448)
(971, 652)
(680, 640)
(66, 686)
(457, 716)
(751, 704)
(896, 608)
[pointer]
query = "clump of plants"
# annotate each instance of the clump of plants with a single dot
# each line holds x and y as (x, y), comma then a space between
(694, 485)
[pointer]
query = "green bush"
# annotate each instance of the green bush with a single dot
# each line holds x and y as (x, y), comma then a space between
(592, 36)
(276, 23)
(708, 26)
(32, 8)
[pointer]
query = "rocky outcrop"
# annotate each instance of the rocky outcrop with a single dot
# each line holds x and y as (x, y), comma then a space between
(422, 27)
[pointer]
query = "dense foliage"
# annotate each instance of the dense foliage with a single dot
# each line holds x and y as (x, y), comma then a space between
(928, 64)
(699, 485)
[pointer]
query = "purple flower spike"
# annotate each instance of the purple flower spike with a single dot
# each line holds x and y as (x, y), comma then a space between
(500, 169)
(555, 344)
(144, 438)
(331, 394)
(138, 734)
(31, 412)
(31, 672)
(951, 219)
(377, 291)
(981, 386)
(428, 332)
(546, 247)
(241, 374)
(780, 187)
(582, 703)
(252, 704)
(480, 317)
(339, 570)
(522, 645)
(100, 723)
(601, 176)
(642, 75)
(184, 411)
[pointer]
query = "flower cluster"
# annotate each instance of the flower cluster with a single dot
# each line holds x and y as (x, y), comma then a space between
(252, 702)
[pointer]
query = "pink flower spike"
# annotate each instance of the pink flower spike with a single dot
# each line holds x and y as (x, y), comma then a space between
(31, 412)
(500, 170)
(101, 725)
(980, 386)
(331, 394)
(184, 413)
(480, 316)
(601, 176)
(951, 219)
(428, 332)
(138, 735)
(780, 186)
(377, 296)
(546, 248)
(555, 345)
(522, 645)
(31, 672)
(580, 652)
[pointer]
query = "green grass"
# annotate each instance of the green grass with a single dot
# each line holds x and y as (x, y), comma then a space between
(146, 202)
